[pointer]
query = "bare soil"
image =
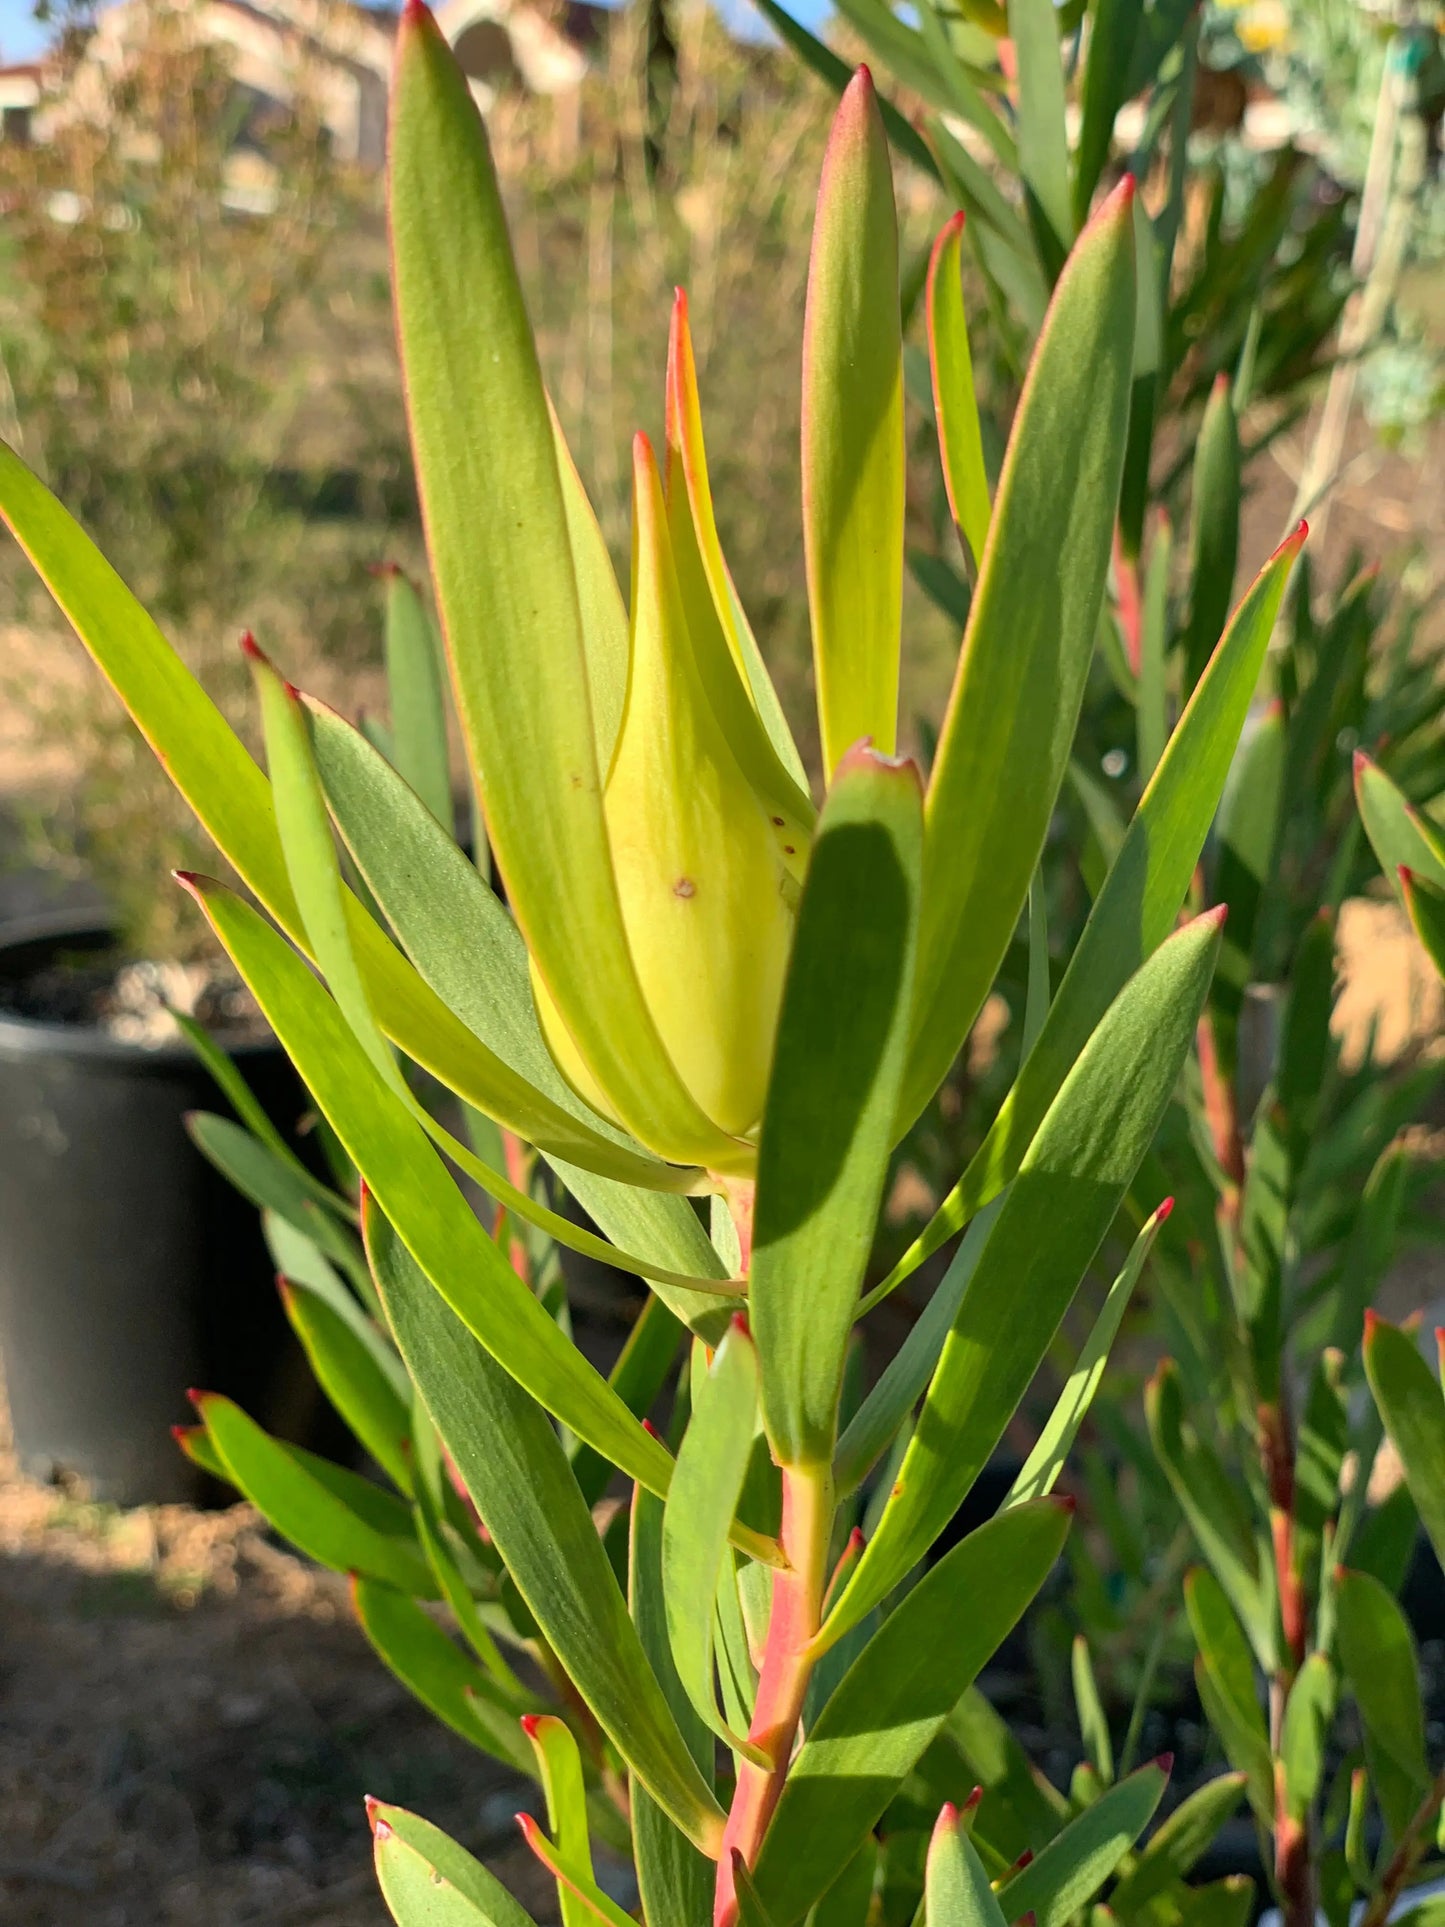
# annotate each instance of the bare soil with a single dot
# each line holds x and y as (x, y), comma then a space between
(189, 1721)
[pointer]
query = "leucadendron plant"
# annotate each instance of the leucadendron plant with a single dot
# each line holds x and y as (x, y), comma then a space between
(712, 1007)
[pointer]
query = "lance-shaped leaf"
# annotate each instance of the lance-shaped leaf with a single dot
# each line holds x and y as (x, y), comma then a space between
(311, 862)
(513, 1465)
(1408, 1395)
(1211, 1501)
(1056, 1441)
(960, 440)
(216, 774)
(833, 1095)
(1377, 1654)
(560, 1771)
(501, 556)
(675, 1880)
(348, 1372)
(848, 1900)
(891, 1703)
(853, 434)
(592, 1906)
(1089, 1710)
(1308, 1715)
(1249, 826)
(336, 1518)
(1042, 135)
(1056, 1214)
(746, 702)
(957, 1891)
(1139, 903)
(1426, 907)
(599, 601)
(427, 1880)
(471, 953)
(416, 683)
(1213, 529)
(1011, 716)
(430, 1665)
(707, 1482)
(1072, 1867)
(418, 1194)
(1152, 716)
(1107, 86)
(1224, 1672)
(1400, 836)
(1178, 1843)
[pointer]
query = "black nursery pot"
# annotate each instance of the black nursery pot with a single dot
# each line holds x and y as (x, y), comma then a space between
(129, 1269)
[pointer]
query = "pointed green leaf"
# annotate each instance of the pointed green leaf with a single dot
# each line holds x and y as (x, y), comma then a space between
(848, 1900)
(273, 1184)
(599, 601)
(960, 439)
(439, 1673)
(1248, 831)
(707, 1482)
(1402, 838)
(1308, 1715)
(1225, 1674)
(335, 1517)
(1057, 1212)
(1409, 1399)
(418, 1194)
(591, 1905)
(560, 1771)
(416, 682)
(1178, 1843)
(1115, 29)
(1028, 646)
(1139, 903)
(893, 1700)
(957, 1892)
(1089, 1709)
(1056, 1440)
(1042, 135)
(1152, 705)
(853, 434)
(675, 1880)
(1211, 1501)
(311, 860)
(1377, 1655)
(1213, 529)
(347, 1371)
(514, 1467)
(501, 557)
(195, 1443)
(212, 769)
(1072, 1867)
(427, 1880)
(833, 1096)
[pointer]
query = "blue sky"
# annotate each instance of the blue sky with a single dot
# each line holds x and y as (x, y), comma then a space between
(20, 37)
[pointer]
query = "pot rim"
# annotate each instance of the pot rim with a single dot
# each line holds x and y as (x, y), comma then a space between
(47, 1037)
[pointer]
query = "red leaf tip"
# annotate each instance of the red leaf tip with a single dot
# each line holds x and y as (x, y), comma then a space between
(1165, 1763)
(250, 648)
(180, 1433)
(739, 1323)
(649, 1428)
(1065, 1501)
(947, 1815)
(1372, 1322)
(530, 1723)
(974, 1800)
(1165, 1211)
(197, 1397)
(1361, 763)
(856, 1541)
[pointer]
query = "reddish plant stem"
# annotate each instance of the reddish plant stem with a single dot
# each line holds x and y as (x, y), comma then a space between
(515, 1153)
(787, 1666)
(1414, 1843)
